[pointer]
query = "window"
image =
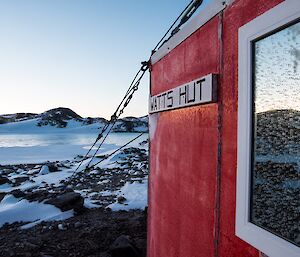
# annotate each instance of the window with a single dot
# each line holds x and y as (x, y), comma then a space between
(268, 183)
(275, 182)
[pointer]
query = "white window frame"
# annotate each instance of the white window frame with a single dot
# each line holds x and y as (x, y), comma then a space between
(272, 20)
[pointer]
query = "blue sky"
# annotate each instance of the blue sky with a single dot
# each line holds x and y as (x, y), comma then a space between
(80, 54)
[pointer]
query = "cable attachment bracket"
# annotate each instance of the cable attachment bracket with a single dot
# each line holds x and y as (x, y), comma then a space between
(145, 65)
(113, 117)
(99, 136)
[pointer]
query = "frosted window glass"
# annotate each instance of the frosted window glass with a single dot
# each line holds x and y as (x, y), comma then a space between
(275, 203)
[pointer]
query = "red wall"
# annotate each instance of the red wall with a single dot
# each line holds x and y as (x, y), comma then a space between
(193, 150)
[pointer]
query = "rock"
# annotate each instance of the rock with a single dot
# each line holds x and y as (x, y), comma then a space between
(34, 171)
(53, 168)
(61, 227)
(123, 247)
(58, 117)
(38, 195)
(45, 255)
(68, 201)
(297, 240)
(20, 180)
(31, 246)
(18, 193)
(77, 224)
(4, 180)
(104, 254)
(2, 195)
(121, 199)
(44, 170)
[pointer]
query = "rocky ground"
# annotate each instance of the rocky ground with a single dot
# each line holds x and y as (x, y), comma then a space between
(97, 232)
(98, 185)
(90, 194)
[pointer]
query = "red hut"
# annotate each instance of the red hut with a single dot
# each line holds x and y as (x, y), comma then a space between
(224, 130)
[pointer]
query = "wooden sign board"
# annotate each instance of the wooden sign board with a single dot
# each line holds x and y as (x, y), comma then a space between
(199, 91)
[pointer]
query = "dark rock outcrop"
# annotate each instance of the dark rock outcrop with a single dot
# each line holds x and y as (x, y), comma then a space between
(2, 195)
(123, 247)
(18, 193)
(58, 117)
(61, 116)
(68, 201)
(131, 124)
(4, 180)
(17, 117)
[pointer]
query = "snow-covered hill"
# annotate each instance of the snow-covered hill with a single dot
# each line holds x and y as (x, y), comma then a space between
(66, 119)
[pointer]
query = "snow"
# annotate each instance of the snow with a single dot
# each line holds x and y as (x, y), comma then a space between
(53, 177)
(33, 171)
(44, 170)
(88, 203)
(73, 126)
(39, 148)
(38, 154)
(23, 142)
(5, 187)
(135, 194)
(103, 181)
(61, 216)
(141, 129)
(30, 127)
(107, 193)
(15, 210)
(20, 171)
(111, 162)
(61, 227)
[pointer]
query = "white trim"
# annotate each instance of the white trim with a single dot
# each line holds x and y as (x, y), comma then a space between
(261, 239)
(207, 13)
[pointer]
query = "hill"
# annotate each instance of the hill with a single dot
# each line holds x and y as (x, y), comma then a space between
(66, 118)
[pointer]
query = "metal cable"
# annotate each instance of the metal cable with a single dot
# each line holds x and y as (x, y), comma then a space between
(132, 140)
(134, 88)
(187, 12)
(188, 6)
(97, 139)
(118, 112)
(101, 143)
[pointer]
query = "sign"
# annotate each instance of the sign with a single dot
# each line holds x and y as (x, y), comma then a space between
(198, 91)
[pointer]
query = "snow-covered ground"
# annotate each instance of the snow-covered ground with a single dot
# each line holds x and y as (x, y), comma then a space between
(135, 194)
(28, 154)
(30, 127)
(24, 142)
(21, 210)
